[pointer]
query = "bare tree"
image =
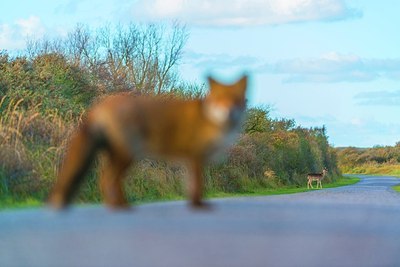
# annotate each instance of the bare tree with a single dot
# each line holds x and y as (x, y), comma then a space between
(142, 58)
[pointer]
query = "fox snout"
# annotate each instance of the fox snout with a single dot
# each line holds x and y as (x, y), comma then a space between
(222, 115)
(235, 116)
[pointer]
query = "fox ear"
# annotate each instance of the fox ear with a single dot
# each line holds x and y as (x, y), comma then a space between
(212, 82)
(242, 83)
(240, 86)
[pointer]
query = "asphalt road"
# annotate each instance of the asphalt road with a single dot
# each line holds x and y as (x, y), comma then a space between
(350, 226)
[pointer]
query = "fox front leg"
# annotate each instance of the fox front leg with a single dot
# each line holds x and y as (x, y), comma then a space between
(196, 185)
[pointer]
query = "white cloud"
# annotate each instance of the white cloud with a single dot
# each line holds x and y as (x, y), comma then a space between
(242, 12)
(358, 122)
(223, 61)
(379, 98)
(5, 36)
(331, 67)
(335, 67)
(14, 35)
(30, 27)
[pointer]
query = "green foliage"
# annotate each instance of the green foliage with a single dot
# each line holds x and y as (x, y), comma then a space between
(48, 81)
(280, 147)
(257, 121)
(152, 180)
(396, 188)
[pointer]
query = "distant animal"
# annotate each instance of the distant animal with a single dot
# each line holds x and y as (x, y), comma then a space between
(316, 177)
(127, 128)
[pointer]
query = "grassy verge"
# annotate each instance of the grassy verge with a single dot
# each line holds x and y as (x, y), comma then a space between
(396, 188)
(285, 190)
(8, 203)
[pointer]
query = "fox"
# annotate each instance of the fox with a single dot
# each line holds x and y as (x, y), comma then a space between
(124, 128)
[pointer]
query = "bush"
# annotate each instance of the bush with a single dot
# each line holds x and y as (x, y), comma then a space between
(375, 160)
(47, 82)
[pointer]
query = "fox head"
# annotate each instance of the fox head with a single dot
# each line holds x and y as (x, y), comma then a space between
(225, 103)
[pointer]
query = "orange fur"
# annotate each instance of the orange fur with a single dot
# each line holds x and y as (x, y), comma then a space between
(128, 128)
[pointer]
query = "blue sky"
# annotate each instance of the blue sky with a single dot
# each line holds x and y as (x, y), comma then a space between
(322, 62)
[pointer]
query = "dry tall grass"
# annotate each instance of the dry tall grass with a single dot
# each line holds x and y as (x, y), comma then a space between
(33, 141)
(374, 168)
(30, 144)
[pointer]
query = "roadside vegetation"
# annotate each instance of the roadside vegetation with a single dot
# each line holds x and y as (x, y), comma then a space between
(45, 90)
(9, 203)
(342, 181)
(383, 160)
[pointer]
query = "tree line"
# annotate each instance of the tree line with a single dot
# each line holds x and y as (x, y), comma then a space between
(46, 88)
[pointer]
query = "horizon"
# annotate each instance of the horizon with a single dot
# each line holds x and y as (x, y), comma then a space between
(329, 63)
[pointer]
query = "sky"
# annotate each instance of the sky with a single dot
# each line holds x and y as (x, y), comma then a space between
(321, 62)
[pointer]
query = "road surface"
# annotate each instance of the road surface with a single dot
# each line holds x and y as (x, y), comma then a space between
(355, 225)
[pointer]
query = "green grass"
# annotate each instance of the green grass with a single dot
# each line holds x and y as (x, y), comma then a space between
(396, 188)
(344, 180)
(285, 190)
(9, 203)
